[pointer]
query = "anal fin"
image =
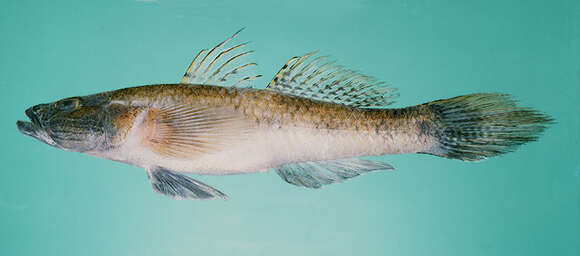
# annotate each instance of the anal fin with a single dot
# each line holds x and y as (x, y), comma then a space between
(316, 174)
(179, 186)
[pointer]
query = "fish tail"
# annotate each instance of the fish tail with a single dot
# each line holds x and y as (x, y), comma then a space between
(477, 126)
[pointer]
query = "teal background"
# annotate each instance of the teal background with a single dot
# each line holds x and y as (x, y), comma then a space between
(54, 202)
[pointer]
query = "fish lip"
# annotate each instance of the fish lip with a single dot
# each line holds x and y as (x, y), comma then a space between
(26, 128)
(29, 128)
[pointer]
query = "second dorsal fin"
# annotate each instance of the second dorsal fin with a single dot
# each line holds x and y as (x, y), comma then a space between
(319, 79)
(223, 66)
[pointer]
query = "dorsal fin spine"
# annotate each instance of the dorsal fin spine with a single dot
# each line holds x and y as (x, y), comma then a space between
(206, 68)
(235, 71)
(214, 48)
(245, 79)
(188, 72)
(220, 55)
(277, 76)
(228, 62)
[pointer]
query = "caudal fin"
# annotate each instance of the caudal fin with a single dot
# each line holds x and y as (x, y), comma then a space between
(477, 126)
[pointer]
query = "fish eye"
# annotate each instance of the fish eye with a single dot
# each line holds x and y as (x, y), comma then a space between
(68, 104)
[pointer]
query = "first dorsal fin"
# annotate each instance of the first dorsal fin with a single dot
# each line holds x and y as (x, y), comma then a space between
(319, 79)
(223, 66)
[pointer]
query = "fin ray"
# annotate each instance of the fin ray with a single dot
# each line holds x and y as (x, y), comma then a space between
(207, 65)
(312, 78)
(315, 174)
(179, 186)
(478, 126)
(185, 131)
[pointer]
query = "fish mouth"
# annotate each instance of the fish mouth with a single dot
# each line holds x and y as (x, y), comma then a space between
(29, 128)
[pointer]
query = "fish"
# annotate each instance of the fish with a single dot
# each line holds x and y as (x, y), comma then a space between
(314, 124)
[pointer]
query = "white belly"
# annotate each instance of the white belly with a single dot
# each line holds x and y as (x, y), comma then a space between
(270, 148)
(264, 148)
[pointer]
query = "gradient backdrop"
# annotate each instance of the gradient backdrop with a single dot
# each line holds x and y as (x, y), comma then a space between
(54, 202)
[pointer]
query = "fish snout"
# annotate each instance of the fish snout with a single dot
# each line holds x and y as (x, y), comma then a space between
(26, 128)
(30, 128)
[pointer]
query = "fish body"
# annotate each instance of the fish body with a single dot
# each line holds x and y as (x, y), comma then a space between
(278, 129)
(311, 124)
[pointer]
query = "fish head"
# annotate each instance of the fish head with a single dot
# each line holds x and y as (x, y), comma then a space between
(73, 124)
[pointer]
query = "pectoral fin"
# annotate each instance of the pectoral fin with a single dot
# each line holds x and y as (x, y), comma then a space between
(319, 173)
(178, 186)
(185, 131)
